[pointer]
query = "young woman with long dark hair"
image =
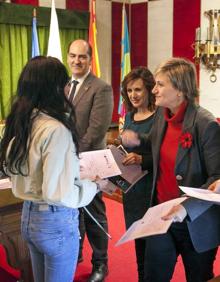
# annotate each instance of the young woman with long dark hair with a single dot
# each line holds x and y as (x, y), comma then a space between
(39, 151)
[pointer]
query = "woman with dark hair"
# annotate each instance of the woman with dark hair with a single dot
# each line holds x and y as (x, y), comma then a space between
(185, 147)
(137, 93)
(39, 151)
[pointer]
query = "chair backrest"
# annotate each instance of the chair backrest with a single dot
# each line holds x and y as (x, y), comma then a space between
(6, 269)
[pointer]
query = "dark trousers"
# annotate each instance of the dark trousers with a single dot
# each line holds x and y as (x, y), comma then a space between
(140, 246)
(97, 238)
(162, 252)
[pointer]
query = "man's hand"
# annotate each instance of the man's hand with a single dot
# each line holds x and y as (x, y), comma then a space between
(177, 214)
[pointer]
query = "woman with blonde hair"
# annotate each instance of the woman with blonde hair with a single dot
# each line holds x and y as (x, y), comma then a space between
(185, 146)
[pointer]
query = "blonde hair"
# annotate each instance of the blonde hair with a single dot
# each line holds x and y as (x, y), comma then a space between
(182, 75)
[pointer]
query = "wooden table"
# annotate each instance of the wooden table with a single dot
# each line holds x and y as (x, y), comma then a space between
(10, 236)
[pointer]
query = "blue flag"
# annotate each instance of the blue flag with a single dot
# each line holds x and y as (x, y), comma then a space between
(125, 64)
(125, 57)
(35, 44)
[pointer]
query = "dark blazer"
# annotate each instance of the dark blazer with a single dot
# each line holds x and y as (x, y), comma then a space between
(197, 166)
(93, 107)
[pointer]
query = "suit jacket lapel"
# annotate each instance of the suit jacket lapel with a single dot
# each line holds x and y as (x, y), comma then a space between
(188, 126)
(83, 89)
(157, 136)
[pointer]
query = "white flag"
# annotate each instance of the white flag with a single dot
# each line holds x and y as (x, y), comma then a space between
(54, 48)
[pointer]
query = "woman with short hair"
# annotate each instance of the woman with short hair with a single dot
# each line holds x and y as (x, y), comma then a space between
(185, 146)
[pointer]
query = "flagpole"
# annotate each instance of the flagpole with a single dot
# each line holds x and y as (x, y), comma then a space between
(129, 23)
(34, 13)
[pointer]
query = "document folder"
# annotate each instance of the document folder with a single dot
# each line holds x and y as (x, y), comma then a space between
(130, 174)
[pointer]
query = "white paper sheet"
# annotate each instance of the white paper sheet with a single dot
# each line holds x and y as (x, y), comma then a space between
(202, 194)
(151, 223)
(99, 162)
(5, 183)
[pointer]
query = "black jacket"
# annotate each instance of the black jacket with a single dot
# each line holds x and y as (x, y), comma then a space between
(197, 166)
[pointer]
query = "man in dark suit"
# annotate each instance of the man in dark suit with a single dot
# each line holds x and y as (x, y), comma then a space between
(93, 101)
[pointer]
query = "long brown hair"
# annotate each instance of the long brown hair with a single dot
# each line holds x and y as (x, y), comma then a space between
(148, 81)
(41, 87)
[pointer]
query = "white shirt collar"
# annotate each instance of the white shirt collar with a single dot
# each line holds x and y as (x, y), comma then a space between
(81, 79)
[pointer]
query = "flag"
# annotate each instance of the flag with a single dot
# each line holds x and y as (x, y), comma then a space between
(35, 44)
(158, 33)
(92, 39)
(125, 64)
(54, 48)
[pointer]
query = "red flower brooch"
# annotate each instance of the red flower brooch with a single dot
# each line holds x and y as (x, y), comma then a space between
(186, 140)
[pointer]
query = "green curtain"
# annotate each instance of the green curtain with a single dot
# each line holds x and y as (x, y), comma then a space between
(15, 42)
(15, 51)
(13, 56)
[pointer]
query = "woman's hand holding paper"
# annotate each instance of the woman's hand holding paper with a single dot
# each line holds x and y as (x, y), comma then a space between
(132, 158)
(177, 214)
(215, 186)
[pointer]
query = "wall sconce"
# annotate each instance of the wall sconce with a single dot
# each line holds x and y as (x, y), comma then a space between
(209, 52)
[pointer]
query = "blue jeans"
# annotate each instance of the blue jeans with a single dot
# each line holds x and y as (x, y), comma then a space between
(52, 236)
